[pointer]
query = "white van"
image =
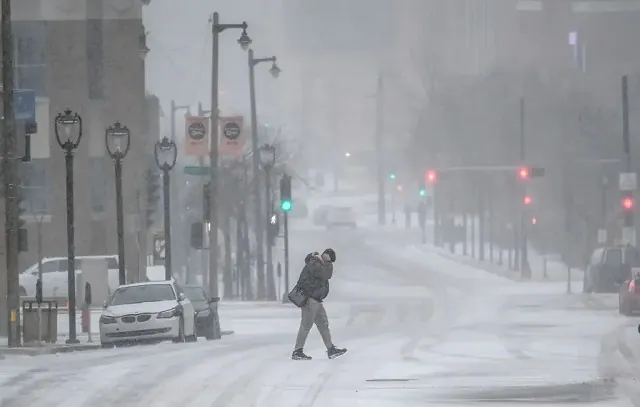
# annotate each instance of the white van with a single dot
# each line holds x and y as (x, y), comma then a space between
(54, 275)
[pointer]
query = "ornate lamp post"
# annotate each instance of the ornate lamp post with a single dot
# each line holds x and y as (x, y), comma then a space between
(166, 153)
(260, 224)
(117, 140)
(268, 160)
(70, 124)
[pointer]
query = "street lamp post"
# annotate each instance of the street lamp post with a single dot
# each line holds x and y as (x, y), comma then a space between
(67, 121)
(244, 42)
(268, 160)
(166, 153)
(117, 140)
(260, 225)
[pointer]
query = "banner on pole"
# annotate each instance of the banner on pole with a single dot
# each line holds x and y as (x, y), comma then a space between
(196, 136)
(232, 140)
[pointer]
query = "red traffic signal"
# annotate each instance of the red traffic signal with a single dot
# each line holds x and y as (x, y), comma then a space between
(534, 221)
(432, 176)
(627, 203)
(523, 173)
(527, 200)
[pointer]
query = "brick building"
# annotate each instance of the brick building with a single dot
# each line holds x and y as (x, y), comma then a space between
(84, 55)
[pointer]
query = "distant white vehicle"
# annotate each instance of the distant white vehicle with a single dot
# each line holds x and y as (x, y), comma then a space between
(151, 311)
(55, 278)
(341, 216)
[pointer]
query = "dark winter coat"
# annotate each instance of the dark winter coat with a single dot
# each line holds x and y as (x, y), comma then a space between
(314, 278)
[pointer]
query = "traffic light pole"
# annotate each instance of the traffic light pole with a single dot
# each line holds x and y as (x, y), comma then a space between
(629, 235)
(270, 286)
(382, 215)
(524, 260)
(286, 256)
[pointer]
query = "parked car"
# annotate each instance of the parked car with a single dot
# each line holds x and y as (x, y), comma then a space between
(55, 277)
(341, 216)
(150, 311)
(320, 215)
(609, 267)
(629, 294)
(206, 308)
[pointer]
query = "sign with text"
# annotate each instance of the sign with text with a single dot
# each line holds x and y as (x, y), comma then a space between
(196, 136)
(232, 139)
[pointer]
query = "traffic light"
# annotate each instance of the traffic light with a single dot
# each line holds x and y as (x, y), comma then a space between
(432, 177)
(392, 176)
(534, 220)
(152, 178)
(527, 200)
(524, 173)
(273, 228)
(206, 202)
(285, 193)
(423, 192)
(627, 203)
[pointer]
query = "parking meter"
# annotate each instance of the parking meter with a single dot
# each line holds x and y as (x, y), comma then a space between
(39, 291)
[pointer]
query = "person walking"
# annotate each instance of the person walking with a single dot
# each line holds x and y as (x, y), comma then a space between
(314, 285)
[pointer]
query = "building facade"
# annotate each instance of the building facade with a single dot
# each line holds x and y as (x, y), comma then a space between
(84, 55)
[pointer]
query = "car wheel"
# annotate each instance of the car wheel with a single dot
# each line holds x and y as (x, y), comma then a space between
(22, 291)
(180, 337)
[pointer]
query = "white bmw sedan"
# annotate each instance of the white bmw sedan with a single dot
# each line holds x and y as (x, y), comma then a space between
(151, 311)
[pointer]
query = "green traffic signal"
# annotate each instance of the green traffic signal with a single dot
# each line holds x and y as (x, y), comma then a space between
(285, 206)
(423, 192)
(392, 176)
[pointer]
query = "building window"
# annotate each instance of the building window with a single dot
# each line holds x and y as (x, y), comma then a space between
(98, 184)
(30, 56)
(35, 187)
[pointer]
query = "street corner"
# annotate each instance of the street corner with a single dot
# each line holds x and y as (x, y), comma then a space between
(48, 349)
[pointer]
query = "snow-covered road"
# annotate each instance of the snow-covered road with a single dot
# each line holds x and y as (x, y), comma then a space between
(420, 331)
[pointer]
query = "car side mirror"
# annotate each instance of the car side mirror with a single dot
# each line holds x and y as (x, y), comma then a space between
(105, 305)
(181, 297)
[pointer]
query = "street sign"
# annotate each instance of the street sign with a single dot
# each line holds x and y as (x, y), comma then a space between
(158, 249)
(628, 181)
(196, 170)
(24, 104)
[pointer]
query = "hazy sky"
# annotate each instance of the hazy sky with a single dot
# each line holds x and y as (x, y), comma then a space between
(179, 64)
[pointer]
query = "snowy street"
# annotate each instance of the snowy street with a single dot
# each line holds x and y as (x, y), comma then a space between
(420, 330)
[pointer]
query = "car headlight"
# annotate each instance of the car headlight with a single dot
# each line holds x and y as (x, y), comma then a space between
(204, 313)
(107, 319)
(174, 312)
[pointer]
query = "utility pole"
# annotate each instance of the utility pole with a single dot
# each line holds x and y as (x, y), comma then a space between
(382, 215)
(11, 180)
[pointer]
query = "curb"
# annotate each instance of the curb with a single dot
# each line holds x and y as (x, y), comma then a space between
(48, 350)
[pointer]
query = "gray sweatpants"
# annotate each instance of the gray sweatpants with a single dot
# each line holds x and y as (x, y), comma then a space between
(313, 312)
